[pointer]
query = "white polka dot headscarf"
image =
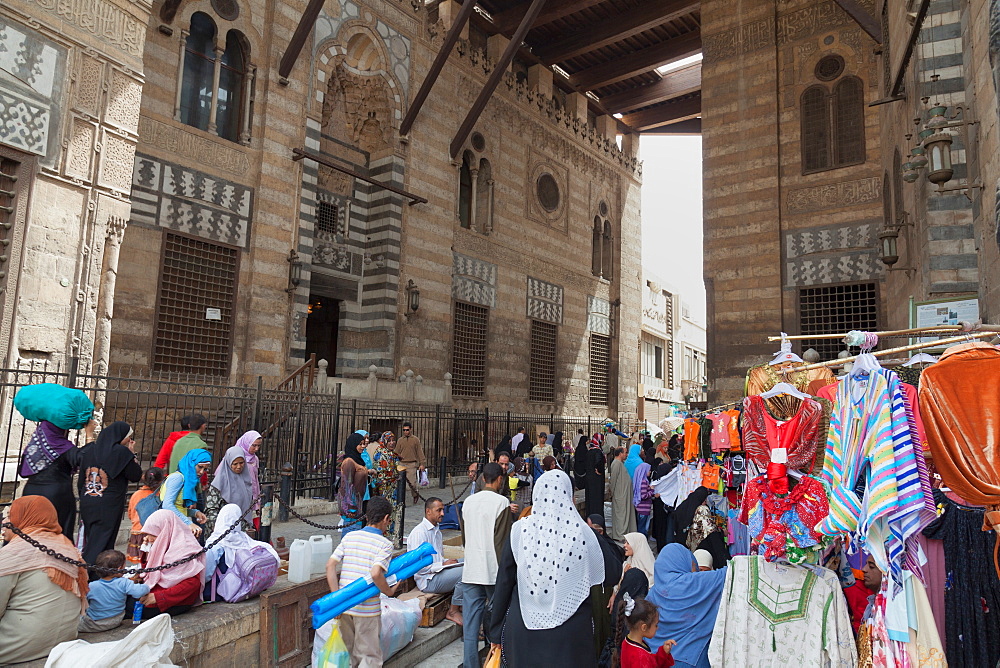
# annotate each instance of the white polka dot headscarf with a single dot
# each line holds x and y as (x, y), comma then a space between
(557, 554)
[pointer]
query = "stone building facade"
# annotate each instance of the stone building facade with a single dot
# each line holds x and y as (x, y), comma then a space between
(71, 79)
(793, 179)
(241, 262)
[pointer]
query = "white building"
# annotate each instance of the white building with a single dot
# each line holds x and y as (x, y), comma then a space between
(672, 360)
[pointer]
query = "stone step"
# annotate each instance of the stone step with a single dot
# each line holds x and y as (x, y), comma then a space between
(425, 644)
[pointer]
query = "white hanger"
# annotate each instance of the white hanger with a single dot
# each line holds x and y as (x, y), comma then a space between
(865, 365)
(785, 355)
(784, 388)
(921, 358)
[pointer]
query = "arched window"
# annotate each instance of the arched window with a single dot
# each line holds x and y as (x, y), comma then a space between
(832, 125)
(886, 201)
(607, 252)
(199, 71)
(897, 185)
(231, 80)
(226, 111)
(465, 192)
(595, 257)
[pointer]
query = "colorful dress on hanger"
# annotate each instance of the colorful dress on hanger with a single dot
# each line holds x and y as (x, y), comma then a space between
(720, 431)
(782, 526)
(775, 616)
(762, 432)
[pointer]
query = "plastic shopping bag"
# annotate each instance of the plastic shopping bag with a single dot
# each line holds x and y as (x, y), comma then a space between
(399, 623)
(493, 660)
(329, 650)
(422, 479)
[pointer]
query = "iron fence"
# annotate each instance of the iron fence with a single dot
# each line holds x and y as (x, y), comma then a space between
(303, 432)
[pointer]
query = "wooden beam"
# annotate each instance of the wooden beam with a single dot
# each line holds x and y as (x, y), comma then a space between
(861, 16)
(439, 60)
(674, 84)
(602, 33)
(654, 117)
(692, 126)
(637, 62)
(918, 24)
(499, 69)
(299, 154)
(299, 37)
(509, 19)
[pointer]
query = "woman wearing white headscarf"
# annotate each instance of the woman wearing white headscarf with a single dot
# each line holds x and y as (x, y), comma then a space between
(541, 605)
(223, 555)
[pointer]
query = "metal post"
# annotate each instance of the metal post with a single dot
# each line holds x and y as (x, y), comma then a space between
(486, 432)
(285, 491)
(266, 514)
(257, 403)
(401, 496)
(443, 469)
(336, 440)
(437, 429)
(354, 415)
(74, 368)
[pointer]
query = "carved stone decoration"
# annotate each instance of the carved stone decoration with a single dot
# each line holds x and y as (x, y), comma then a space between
(31, 94)
(474, 280)
(103, 20)
(994, 47)
(377, 339)
(124, 96)
(545, 301)
(226, 9)
(548, 188)
(357, 109)
(87, 91)
(117, 161)
(834, 195)
(80, 149)
(598, 315)
(219, 154)
(832, 254)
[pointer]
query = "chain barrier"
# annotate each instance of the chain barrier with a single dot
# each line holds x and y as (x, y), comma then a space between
(420, 496)
(135, 571)
(316, 524)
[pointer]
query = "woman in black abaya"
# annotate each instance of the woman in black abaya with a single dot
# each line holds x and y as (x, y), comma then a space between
(595, 477)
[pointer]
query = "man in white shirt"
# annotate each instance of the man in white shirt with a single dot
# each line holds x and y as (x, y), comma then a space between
(487, 519)
(442, 576)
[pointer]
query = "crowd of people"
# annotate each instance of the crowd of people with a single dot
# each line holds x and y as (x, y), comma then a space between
(180, 508)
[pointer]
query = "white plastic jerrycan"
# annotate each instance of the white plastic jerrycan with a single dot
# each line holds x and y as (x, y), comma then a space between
(321, 547)
(299, 561)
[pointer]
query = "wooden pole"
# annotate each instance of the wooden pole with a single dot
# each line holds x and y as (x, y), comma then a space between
(895, 332)
(890, 351)
(439, 60)
(494, 80)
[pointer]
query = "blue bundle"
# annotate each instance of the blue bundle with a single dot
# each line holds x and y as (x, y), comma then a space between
(336, 603)
(65, 407)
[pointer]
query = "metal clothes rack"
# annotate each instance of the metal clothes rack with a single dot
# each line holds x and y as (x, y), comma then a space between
(937, 329)
(890, 351)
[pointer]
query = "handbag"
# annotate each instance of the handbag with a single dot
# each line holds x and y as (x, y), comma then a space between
(493, 659)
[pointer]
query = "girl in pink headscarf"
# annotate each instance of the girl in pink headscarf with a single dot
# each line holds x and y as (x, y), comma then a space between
(177, 589)
(250, 442)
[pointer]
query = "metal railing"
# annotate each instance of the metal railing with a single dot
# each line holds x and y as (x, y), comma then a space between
(304, 431)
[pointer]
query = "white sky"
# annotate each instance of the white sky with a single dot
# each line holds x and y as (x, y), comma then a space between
(671, 215)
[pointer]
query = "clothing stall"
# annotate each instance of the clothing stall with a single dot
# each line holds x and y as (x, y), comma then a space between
(811, 474)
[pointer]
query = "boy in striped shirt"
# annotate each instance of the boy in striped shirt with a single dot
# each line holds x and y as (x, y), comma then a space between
(364, 553)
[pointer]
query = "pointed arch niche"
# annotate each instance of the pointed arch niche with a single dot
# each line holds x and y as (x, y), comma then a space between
(475, 200)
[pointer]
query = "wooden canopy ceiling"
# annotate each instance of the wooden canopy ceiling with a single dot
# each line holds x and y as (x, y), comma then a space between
(612, 49)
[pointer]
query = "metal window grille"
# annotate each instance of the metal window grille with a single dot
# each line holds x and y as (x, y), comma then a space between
(8, 192)
(197, 278)
(849, 121)
(600, 369)
(468, 365)
(833, 309)
(542, 376)
(327, 223)
(815, 118)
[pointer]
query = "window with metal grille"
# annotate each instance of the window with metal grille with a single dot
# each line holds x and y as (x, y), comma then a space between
(327, 223)
(194, 317)
(831, 309)
(468, 366)
(600, 369)
(832, 126)
(542, 375)
(849, 121)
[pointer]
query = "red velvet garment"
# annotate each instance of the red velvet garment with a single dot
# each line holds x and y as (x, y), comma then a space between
(762, 433)
(636, 656)
(857, 602)
(960, 406)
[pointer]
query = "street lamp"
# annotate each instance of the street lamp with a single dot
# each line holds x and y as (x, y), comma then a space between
(887, 238)
(294, 271)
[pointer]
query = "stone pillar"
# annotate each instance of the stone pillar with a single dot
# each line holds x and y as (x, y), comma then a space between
(447, 11)
(607, 127)
(457, 164)
(106, 298)
(540, 79)
(576, 105)
(473, 199)
(212, 127)
(488, 227)
(495, 46)
(182, 51)
(245, 121)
